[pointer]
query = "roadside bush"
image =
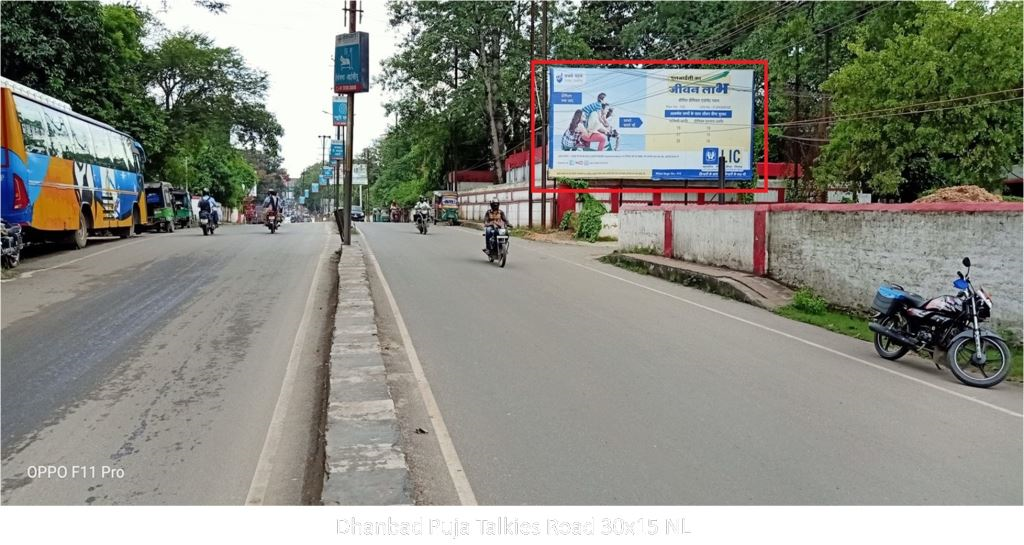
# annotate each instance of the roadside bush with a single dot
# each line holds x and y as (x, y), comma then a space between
(590, 219)
(567, 221)
(806, 300)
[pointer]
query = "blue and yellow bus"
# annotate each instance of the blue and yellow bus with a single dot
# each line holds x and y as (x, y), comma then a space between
(66, 176)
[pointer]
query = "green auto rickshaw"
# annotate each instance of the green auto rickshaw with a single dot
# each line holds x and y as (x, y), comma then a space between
(446, 207)
(159, 207)
(182, 208)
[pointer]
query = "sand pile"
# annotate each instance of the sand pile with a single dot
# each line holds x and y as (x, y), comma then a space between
(961, 193)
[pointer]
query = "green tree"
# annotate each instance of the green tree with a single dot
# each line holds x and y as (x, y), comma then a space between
(945, 92)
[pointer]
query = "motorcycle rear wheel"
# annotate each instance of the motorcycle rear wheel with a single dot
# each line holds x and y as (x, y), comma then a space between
(966, 371)
(886, 347)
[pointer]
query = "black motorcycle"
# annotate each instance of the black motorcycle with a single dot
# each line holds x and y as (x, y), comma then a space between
(948, 323)
(12, 243)
(497, 246)
(206, 222)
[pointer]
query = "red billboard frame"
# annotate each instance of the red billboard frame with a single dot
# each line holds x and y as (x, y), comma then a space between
(560, 62)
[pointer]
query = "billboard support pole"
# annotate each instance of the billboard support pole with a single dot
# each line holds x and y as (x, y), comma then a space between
(721, 178)
(544, 125)
(529, 169)
(349, 137)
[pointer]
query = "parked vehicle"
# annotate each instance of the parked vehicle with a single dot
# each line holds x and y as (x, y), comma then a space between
(12, 243)
(948, 323)
(182, 208)
(357, 213)
(206, 222)
(160, 213)
(498, 251)
(446, 207)
(65, 175)
(273, 221)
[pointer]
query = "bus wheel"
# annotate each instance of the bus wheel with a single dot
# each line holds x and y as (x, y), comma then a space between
(81, 236)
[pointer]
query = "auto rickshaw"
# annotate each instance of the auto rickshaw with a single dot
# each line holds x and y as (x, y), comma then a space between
(159, 207)
(446, 207)
(182, 208)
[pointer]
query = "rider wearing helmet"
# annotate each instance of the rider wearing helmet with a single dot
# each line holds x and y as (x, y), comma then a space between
(494, 219)
(422, 207)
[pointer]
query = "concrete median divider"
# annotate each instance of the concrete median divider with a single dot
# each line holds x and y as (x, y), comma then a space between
(364, 461)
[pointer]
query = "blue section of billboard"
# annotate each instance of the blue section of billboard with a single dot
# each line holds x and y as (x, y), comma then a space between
(339, 110)
(352, 63)
(337, 150)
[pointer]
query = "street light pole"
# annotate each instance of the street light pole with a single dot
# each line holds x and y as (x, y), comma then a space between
(349, 140)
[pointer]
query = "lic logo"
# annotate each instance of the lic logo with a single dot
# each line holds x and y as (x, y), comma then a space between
(710, 156)
(558, 77)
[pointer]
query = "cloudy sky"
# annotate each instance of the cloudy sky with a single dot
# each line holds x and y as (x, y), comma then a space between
(293, 41)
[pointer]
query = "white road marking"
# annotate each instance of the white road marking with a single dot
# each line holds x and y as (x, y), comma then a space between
(451, 457)
(787, 335)
(265, 466)
(29, 274)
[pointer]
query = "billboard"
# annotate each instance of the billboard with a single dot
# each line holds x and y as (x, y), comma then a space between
(359, 175)
(659, 124)
(337, 150)
(352, 63)
(339, 109)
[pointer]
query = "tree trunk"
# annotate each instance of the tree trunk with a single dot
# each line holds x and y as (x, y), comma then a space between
(491, 72)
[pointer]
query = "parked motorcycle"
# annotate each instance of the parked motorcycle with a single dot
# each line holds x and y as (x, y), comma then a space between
(422, 220)
(12, 243)
(273, 221)
(498, 251)
(948, 323)
(206, 222)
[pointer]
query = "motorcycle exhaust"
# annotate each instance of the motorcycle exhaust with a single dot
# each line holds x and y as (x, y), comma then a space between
(894, 335)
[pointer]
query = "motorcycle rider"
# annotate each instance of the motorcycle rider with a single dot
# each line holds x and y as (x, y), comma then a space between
(207, 203)
(422, 207)
(494, 219)
(272, 202)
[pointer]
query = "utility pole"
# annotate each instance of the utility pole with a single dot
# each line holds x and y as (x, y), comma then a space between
(529, 171)
(346, 220)
(544, 124)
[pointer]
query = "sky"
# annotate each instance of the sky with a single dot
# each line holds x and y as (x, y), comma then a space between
(293, 42)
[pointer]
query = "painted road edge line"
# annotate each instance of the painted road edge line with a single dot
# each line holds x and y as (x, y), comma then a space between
(777, 332)
(265, 465)
(451, 457)
(28, 274)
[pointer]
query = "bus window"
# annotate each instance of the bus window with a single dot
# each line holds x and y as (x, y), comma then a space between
(101, 146)
(122, 156)
(60, 134)
(33, 126)
(81, 138)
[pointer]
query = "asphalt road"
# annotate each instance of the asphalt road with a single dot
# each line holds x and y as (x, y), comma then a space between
(150, 368)
(563, 380)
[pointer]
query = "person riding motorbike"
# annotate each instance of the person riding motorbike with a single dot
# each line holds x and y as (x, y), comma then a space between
(208, 204)
(422, 208)
(494, 219)
(395, 212)
(272, 202)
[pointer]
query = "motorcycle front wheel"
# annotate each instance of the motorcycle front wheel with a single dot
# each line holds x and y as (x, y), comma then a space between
(886, 347)
(989, 372)
(504, 257)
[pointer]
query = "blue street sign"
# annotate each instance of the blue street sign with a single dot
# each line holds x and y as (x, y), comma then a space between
(352, 63)
(337, 150)
(328, 172)
(340, 111)
(315, 188)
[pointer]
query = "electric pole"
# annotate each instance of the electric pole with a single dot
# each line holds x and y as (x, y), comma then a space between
(346, 220)
(529, 172)
(544, 124)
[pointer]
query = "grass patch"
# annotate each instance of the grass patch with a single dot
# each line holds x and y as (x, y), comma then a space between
(831, 319)
(624, 264)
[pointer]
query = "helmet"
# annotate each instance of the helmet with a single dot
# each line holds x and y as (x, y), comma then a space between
(423, 198)
(273, 192)
(494, 204)
(206, 192)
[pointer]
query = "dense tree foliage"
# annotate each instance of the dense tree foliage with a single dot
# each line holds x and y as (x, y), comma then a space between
(829, 63)
(196, 108)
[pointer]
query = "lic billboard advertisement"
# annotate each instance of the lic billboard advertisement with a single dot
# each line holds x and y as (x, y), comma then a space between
(352, 63)
(664, 124)
(339, 109)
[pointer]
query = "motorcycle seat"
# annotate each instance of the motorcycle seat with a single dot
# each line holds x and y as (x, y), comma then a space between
(915, 300)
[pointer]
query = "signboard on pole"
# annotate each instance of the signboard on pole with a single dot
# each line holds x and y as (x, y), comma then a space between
(352, 63)
(337, 150)
(359, 175)
(327, 172)
(314, 188)
(302, 200)
(340, 110)
(663, 124)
